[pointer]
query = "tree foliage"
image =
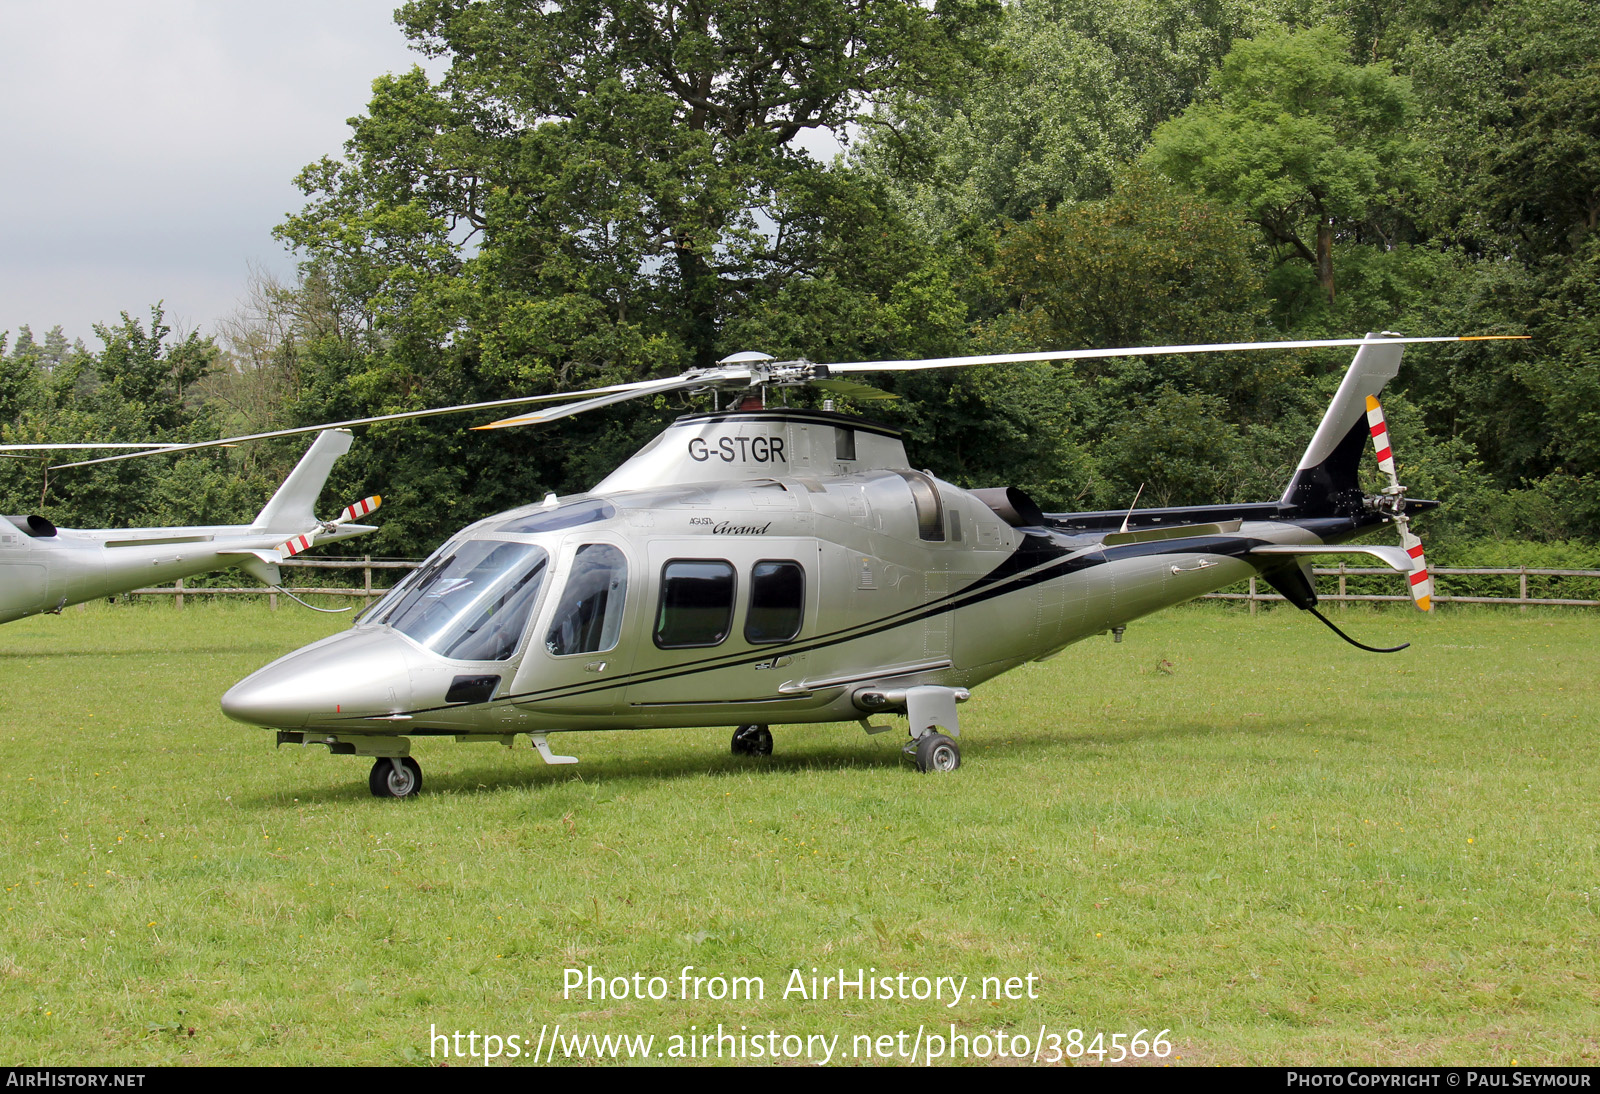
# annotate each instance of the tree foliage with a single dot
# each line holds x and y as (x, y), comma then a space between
(1298, 140)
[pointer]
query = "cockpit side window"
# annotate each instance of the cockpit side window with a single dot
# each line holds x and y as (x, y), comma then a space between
(589, 617)
(696, 606)
(473, 603)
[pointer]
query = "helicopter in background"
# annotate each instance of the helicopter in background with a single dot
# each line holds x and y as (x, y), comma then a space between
(760, 565)
(43, 568)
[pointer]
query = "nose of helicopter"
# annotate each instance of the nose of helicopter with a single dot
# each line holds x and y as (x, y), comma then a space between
(354, 673)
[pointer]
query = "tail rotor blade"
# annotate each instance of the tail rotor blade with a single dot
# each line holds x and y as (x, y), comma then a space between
(1380, 441)
(1421, 583)
(291, 547)
(359, 509)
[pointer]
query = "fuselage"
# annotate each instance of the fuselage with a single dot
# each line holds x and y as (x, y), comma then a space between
(746, 567)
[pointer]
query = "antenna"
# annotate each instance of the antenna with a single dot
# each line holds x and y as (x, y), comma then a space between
(1129, 517)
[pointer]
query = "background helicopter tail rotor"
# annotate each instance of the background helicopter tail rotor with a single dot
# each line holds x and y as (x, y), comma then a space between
(293, 546)
(1393, 501)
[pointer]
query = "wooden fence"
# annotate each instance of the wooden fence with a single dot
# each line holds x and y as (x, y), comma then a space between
(366, 565)
(1255, 596)
(1343, 573)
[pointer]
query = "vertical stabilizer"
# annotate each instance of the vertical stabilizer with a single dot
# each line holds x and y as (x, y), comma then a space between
(292, 507)
(1328, 480)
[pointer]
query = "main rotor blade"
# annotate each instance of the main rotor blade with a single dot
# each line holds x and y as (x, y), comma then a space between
(595, 398)
(521, 400)
(1138, 351)
(647, 387)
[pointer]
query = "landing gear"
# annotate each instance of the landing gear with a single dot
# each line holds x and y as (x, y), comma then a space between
(399, 777)
(752, 741)
(936, 752)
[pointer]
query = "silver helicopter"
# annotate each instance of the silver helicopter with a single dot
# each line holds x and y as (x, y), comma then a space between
(44, 568)
(762, 564)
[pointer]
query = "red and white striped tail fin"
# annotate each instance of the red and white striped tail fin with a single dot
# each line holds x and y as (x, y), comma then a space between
(1421, 583)
(1380, 439)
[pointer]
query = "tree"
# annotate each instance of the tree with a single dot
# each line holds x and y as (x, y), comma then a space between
(142, 385)
(627, 169)
(1299, 140)
(1546, 181)
(1072, 92)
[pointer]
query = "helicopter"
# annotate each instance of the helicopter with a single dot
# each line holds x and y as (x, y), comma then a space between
(757, 564)
(43, 568)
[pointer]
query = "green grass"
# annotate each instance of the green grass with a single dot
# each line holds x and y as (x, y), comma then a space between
(1237, 829)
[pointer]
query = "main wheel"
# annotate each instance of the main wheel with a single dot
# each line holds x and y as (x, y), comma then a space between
(752, 741)
(388, 781)
(936, 752)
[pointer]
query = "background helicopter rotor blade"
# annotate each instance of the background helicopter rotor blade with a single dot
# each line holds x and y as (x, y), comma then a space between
(65, 447)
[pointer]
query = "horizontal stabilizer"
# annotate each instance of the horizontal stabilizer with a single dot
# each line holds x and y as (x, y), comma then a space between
(1393, 557)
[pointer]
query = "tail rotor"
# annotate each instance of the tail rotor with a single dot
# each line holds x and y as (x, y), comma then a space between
(304, 542)
(1393, 502)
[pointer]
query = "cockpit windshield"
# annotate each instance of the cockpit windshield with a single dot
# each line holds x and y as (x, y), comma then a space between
(470, 603)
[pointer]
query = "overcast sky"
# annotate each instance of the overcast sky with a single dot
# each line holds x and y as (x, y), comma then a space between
(150, 147)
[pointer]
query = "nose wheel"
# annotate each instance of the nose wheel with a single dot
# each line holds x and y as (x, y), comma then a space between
(397, 777)
(752, 741)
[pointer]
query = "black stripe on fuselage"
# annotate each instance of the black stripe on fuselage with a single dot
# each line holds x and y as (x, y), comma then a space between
(1038, 559)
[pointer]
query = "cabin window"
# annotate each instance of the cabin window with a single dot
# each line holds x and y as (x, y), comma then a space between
(589, 617)
(696, 603)
(930, 512)
(471, 603)
(844, 443)
(777, 602)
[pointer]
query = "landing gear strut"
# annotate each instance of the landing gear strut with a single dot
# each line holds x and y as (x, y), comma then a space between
(752, 741)
(397, 777)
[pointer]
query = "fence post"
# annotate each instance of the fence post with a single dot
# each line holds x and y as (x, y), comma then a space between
(366, 578)
(180, 594)
(1252, 596)
(272, 601)
(1522, 588)
(1342, 601)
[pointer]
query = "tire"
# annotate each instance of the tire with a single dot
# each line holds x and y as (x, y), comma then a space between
(386, 782)
(752, 741)
(936, 752)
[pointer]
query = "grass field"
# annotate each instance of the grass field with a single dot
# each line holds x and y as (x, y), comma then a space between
(1235, 829)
